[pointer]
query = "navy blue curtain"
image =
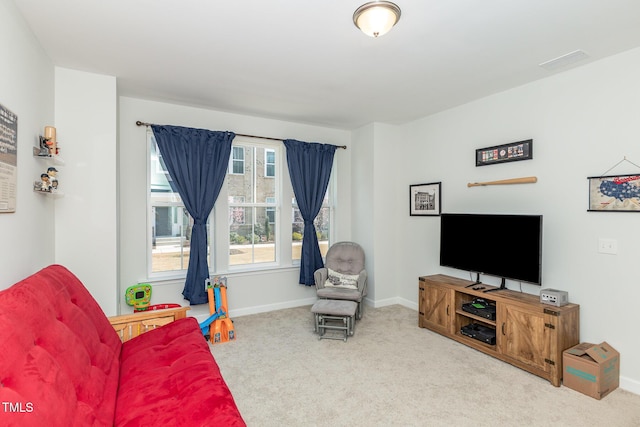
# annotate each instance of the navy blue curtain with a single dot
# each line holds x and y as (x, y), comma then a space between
(310, 169)
(197, 160)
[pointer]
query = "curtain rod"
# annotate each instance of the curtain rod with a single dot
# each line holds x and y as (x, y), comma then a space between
(139, 123)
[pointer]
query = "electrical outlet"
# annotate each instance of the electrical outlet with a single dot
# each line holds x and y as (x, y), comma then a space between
(608, 246)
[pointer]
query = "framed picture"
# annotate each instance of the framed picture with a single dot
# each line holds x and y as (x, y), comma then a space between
(521, 150)
(8, 160)
(614, 193)
(424, 199)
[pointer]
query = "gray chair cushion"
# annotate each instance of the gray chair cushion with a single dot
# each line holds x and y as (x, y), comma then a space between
(339, 293)
(346, 258)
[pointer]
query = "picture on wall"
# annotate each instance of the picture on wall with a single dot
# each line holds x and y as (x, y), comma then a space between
(424, 199)
(8, 159)
(521, 150)
(614, 193)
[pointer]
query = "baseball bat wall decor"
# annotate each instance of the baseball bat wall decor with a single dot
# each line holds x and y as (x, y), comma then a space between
(523, 180)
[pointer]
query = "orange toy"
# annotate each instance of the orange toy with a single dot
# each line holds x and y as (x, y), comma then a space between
(221, 330)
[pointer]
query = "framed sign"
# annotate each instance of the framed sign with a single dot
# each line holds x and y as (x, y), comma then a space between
(521, 150)
(614, 193)
(8, 160)
(424, 199)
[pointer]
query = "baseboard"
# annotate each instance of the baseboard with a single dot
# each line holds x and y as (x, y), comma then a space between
(392, 301)
(632, 386)
(271, 307)
(307, 301)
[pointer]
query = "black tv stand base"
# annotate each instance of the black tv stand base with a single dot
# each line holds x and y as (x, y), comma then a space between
(502, 287)
(477, 282)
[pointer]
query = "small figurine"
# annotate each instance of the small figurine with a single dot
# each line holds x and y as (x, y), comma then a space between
(45, 184)
(53, 180)
(44, 147)
(50, 139)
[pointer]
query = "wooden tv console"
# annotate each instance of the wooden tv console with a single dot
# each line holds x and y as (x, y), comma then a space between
(529, 334)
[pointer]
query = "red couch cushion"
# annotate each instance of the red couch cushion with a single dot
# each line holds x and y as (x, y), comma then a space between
(59, 362)
(169, 378)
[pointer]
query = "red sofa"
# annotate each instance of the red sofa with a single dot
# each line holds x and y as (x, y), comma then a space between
(63, 364)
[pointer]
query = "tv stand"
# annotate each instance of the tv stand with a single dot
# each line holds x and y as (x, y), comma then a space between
(528, 334)
(503, 285)
(477, 282)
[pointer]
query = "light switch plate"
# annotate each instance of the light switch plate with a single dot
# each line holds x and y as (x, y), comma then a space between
(608, 246)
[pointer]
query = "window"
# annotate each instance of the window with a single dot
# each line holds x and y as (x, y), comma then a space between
(249, 212)
(237, 161)
(269, 163)
(253, 241)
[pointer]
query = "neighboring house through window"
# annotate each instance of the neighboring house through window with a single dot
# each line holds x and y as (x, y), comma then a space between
(236, 163)
(269, 163)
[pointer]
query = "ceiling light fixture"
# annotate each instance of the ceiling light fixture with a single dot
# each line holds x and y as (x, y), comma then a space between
(376, 18)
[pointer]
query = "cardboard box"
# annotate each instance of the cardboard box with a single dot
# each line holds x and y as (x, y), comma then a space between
(592, 369)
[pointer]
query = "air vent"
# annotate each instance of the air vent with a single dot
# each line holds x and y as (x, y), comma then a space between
(564, 60)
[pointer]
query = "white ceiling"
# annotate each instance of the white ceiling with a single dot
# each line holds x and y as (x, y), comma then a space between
(305, 61)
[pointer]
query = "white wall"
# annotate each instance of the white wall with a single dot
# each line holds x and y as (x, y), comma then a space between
(362, 201)
(86, 217)
(248, 292)
(377, 157)
(27, 89)
(582, 122)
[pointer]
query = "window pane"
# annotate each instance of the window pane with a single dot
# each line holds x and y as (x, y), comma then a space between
(171, 227)
(158, 176)
(271, 210)
(270, 163)
(254, 240)
(240, 186)
(171, 224)
(237, 160)
(252, 206)
(323, 225)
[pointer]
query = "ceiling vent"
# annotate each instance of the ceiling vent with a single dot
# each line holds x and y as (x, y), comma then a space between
(564, 60)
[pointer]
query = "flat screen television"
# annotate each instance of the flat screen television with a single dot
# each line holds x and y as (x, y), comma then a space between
(504, 246)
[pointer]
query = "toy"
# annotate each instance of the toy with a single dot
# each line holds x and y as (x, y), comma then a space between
(218, 324)
(52, 172)
(50, 139)
(139, 296)
(45, 184)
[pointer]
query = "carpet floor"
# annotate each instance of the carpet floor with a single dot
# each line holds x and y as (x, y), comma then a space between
(392, 373)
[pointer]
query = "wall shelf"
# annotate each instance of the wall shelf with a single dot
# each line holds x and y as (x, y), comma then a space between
(56, 194)
(55, 159)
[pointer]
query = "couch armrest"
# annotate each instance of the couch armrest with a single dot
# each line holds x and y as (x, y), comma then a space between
(131, 325)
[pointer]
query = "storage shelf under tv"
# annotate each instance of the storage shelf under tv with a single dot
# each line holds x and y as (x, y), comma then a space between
(529, 334)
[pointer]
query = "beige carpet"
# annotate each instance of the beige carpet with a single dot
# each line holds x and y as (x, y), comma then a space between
(392, 373)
